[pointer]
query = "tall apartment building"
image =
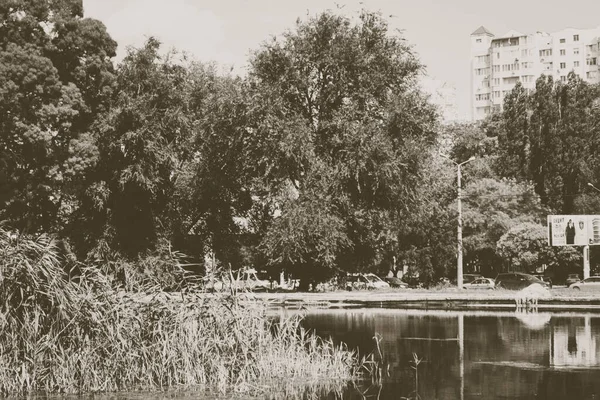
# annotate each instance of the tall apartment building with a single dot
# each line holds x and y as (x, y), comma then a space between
(499, 62)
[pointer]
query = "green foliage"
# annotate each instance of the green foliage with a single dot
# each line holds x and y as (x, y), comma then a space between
(67, 337)
(339, 118)
(551, 137)
(426, 241)
(490, 208)
(525, 247)
(47, 103)
(144, 139)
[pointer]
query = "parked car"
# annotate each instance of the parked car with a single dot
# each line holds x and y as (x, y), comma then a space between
(365, 281)
(468, 278)
(591, 284)
(481, 283)
(396, 282)
(571, 279)
(518, 281)
(545, 279)
(242, 280)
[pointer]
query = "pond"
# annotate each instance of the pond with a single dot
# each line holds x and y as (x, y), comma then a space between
(452, 355)
(471, 355)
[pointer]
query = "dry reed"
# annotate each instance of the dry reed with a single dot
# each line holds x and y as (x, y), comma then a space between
(58, 336)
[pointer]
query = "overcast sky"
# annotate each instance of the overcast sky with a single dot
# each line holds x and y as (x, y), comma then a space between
(226, 31)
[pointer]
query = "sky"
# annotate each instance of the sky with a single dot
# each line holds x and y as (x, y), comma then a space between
(227, 31)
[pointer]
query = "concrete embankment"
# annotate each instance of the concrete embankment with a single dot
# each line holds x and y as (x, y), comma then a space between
(560, 299)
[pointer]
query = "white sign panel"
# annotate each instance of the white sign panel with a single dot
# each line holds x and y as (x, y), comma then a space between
(573, 230)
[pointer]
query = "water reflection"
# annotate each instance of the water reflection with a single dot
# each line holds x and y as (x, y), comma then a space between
(474, 355)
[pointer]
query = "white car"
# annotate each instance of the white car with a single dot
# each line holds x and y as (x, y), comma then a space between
(365, 281)
(243, 280)
(591, 284)
(481, 283)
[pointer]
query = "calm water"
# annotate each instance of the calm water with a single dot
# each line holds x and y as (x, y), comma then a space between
(473, 355)
(463, 355)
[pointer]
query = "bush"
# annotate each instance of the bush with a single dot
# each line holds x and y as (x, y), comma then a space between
(61, 336)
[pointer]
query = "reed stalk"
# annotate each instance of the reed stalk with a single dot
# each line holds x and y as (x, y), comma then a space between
(58, 336)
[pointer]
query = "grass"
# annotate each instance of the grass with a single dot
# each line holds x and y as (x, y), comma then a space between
(57, 336)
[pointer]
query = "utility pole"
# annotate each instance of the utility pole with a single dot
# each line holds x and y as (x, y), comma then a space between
(459, 257)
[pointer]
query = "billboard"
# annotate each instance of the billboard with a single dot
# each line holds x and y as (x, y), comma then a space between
(573, 230)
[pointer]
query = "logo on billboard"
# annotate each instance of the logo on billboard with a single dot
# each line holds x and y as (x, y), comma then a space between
(573, 230)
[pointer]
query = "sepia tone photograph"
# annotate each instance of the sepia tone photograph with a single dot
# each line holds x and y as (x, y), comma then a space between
(304, 200)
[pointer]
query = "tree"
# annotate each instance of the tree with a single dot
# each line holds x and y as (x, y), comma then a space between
(46, 148)
(551, 137)
(337, 102)
(524, 247)
(173, 166)
(513, 140)
(426, 238)
(143, 140)
(491, 208)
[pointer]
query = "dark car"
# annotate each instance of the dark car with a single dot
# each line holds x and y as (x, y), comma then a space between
(545, 279)
(518, 281)
(396, 282)
(571, 279)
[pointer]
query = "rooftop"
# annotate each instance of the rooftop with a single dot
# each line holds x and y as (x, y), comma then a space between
(482, 30)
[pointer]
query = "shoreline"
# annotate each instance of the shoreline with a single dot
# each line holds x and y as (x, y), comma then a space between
(561, 299)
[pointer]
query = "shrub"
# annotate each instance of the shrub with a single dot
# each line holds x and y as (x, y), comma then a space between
(61, 336)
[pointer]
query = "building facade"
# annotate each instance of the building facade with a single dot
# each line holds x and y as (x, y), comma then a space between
(499, 62)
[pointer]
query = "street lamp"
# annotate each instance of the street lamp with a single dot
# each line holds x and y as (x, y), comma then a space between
(459, 258)
(593, 187)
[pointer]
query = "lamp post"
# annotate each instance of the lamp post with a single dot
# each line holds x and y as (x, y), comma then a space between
(459, 257)
(593, 187)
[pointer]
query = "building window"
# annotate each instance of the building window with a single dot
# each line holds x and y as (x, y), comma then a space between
(576, 63)
(591, 61)
(497, 56)
(576, 51)
(478, 40)
(563, 78)
(563, 65)
(496, 81)
(482, 97)
(563, 40)
(563, 52)
(576, 38)
(527, 79)
(546, 53)
(524, 53)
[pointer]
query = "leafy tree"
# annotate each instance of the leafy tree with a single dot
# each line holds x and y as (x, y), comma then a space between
(45, 145)
(513, 139)
(337, 102)
(215, 191)
(490, 208)
(426, 240)
(525, 248)
(143, 139)
(551, 137)
(173, 167)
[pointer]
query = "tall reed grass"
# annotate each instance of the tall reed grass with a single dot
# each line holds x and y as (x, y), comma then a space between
(58, 336)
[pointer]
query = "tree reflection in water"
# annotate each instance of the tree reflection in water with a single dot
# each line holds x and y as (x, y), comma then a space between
(469, 355)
